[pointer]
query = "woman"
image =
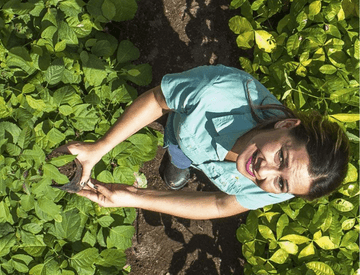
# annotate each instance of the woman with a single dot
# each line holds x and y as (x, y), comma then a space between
(256, 156)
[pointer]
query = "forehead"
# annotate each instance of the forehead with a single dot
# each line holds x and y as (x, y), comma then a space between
(297, 173)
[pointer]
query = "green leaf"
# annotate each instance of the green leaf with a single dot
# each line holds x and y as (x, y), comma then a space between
(108, 9)
(320, 268)
(245, 40)
(106, 221)
(281, 224)
(69, 226)
(307, 251)
(279, 257)
(5, 215)
(71, 8)
(348, 224)
(89, 238)
(124, 175)
(120, 237)
(289, 247)
(106, 177)
(33, 244)
(112, 257)
(6, 243)
(352, 174)
(349, 238)
(94, 69)
(55, 71)
(328, 69)
(84, 119)
(83, 262)
(62, 160)
(240, 25)
(49, 207)
(314, 8)
(51, 172)
(67, 34)
(55, 137)
(293, 44)
(11, 128)
(66, 95)
(102, 48)
(342, 205)
(347, 117)
(60, 46)
(266, 232)
(32, 227)
(297, 239)
(265, 41)
(125, 9)
(325, 243)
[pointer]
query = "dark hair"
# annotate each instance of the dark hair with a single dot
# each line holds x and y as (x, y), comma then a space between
(325, 141)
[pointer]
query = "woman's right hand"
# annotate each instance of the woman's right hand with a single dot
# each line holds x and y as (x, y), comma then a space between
(87, 153)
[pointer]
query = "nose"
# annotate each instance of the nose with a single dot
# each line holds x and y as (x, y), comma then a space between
(267, 171)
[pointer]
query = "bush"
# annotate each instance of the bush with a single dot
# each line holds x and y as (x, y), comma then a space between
(64, 78)
(307, 54)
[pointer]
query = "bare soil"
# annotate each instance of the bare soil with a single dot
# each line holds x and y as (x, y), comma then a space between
(173, 36)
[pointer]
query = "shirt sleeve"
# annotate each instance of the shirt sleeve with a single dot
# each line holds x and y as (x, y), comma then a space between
(182, 91)
(259, 200)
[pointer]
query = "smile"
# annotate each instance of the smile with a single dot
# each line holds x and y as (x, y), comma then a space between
(249, 165)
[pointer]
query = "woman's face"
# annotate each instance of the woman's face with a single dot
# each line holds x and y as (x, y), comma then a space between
(275, 162)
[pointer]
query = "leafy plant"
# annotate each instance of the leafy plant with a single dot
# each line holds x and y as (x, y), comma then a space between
(307, 54)
(64, 78)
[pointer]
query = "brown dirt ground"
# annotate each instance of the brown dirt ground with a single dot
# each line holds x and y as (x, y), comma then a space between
(173, 36)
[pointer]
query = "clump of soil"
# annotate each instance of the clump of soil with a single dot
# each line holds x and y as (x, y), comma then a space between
(69, 169)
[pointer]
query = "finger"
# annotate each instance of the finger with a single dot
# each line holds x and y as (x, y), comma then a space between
(102, 189)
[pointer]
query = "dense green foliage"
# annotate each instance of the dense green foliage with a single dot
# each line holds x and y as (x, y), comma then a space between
(307, 54)
(64, 78)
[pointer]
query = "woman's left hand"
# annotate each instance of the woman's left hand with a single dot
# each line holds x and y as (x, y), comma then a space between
(108, 195)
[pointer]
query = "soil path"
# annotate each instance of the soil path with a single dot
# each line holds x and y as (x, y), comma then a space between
(173, 36)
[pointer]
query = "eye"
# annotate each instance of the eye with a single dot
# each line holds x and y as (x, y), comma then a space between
(281, 183)
(281, 157)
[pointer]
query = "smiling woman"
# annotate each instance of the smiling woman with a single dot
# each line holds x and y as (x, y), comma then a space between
(225, 123)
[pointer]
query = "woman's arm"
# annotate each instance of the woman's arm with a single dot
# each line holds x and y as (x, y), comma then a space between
(186, 204)
(145, 109)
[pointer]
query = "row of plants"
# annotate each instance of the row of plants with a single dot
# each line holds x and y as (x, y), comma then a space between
(306, 52)
(63, 78)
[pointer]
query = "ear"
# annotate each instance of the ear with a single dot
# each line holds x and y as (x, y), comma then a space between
(287, 123)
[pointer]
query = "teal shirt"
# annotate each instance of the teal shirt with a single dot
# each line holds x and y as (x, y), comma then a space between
(210, 112)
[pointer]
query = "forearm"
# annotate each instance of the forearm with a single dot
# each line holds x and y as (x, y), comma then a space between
(145, 109)
(187, 204)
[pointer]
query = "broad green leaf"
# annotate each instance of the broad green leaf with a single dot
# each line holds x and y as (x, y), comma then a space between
(348, 224)
(283, 221)
(5, 215)
(352, 174)
(325, 243)
(240, 25)
(338, 58)
(106, 177)
(49, 207)
(105, 221)
(346, 117)
(51, 172)
(12, 149)
(320, 268)
(37, 104)
(265, 41)
(289, 247)
(246, 40)
(89, 239)
(66, 95)
(84, 118)
(83, 262)
(235, 4)
(55, 137)
(145, 76)
(127, 52)
(65, 110)
(307, 251)
(125, 9)
(108, 9)
(102, 48)
(120, 237)
(266, 232)
(293, 44)
(62, 160)
(280, 256)
(34, 228)
(94, 69)
(342, 205)
(33, 244)
(314, 8)
(328, 69)
(54, 72)
(11, 128)
(124, 175)
(243, 234)
(112, 257)
(71, 8)
(349, 238)
(60, 46)
(297, 239)
(6, 243)
(69, 226)
(343, 95)
(67, 34)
